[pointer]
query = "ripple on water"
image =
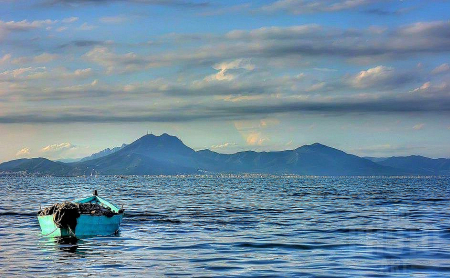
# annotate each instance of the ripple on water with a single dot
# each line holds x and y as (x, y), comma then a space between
(249, 226)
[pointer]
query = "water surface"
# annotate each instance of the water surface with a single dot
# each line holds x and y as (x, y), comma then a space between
(241, 226)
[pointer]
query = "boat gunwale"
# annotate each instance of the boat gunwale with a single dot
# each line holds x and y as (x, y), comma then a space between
(114, 208)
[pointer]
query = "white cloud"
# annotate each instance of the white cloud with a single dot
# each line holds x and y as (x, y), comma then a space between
(86, 27)
(18, 72)
(42, 73)
(316, 87)
(5, 58)
(25, 24)
(57, 147)
(306, 30)
(116, 62)
(381, 77)
(61, 29)
(70, 19)
(325, 69)
(441, 69)
(225, 67)
(426, 28)
(428, 89)
(255, 139)
(24, 152)
(418, 126)
(425, 86)
(41, 58)
(367, 78)
(316, 6)
(222, 146)
(7, 27)
(269, 122)
(114, 19)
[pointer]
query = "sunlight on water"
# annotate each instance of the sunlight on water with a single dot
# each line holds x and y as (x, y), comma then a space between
(236, 226)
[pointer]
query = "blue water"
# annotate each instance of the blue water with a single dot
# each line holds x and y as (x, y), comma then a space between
(243, 226)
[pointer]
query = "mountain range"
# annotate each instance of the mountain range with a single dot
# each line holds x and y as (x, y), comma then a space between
(168, 155)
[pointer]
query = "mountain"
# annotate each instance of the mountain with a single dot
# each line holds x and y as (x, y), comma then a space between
(418, 164)
(41, 166)
(375, 159)
(149, 155)
(168, 155)
(102, 153)
(315, 159)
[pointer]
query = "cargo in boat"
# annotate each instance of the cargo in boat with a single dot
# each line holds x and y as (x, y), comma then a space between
(91, 216)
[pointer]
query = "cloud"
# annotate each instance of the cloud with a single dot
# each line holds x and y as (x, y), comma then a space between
(214, 10)
(84, 43)
(425, 86)
(70, 19)
(418, 126)
(42, 73)
(316, 87)
(61, 29)
(381, 77)
(441, 69)
(25, 25)
(169, 3)
(325, 69)
(255, 139)
(266, 45)
(38, 59)
(57, 147)
(7, 27)
(86, 27)
(118, 63)
(427, 29)
(19, 72)
(114, 19)
(316, 6)
(224, 69)
(269, 122)
(246, 83)
(223, 146)
(24, 152)
(6, 58)
(246, 97)
(430, 90)
(62, 151)
(403, 103)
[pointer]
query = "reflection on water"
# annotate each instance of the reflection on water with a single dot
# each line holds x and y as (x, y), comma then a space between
(236, 226)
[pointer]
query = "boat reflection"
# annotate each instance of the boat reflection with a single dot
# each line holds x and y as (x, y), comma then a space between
(84, 246)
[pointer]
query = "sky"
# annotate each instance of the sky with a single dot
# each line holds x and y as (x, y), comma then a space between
(370, 77)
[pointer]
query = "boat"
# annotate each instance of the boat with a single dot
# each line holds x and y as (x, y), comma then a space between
(91, 216)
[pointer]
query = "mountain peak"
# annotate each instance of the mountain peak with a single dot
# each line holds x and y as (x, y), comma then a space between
(315, 146)
(161, 143)
(318, 145)
(153, 136)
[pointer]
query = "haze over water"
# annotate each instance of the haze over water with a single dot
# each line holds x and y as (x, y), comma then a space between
(242, 226)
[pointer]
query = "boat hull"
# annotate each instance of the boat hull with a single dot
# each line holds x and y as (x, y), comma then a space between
(87, 225)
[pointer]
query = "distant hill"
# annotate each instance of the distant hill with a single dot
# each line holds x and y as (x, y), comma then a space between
(102, 153)
(39, 165)
(315, 159)
(418, 164)
(168, 155)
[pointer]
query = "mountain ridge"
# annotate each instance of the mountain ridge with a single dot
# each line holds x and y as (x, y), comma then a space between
(168, 155)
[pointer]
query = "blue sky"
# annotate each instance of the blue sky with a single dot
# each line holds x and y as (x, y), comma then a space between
(370, 77)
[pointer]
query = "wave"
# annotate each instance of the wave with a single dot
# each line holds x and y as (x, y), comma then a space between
(291, 246)
(14, 213)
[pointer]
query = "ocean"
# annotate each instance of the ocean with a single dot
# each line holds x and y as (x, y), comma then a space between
(236, 226)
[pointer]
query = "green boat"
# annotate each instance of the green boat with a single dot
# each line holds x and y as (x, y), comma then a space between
(82, 224)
